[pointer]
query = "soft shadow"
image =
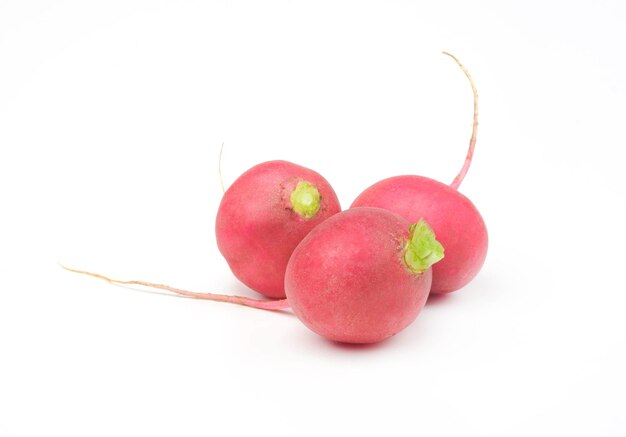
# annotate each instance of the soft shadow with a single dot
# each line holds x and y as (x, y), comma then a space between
(360, 348)
(436, 299)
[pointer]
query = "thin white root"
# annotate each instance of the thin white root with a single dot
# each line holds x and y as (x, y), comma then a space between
(219, 168)
(271, 305)
(472, 144)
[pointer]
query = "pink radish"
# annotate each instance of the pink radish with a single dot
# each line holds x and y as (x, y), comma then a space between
(454, 218)
(362, 276)
(263, 216)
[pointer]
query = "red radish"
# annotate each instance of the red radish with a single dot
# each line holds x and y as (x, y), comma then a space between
(263, 216)
(362, 276)
(454, 218)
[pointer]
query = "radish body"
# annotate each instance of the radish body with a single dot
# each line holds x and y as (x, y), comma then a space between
(454, 219)
(361, 277)
(263, 216)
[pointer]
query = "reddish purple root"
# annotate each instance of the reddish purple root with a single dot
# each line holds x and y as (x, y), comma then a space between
(271, 305)
(470, 152)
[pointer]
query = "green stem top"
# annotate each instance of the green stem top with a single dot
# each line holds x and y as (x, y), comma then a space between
(305, 199)
(422, 250)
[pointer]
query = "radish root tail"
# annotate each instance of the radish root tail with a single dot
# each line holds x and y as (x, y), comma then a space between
(472, 143)
(219, 168)
(271, 305)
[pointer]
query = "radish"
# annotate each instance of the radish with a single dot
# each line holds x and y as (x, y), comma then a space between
(454, 218)
(362, 276)
(263, 216)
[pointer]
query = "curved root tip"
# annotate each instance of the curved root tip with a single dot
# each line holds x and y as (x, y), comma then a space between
(472, 143)
(95, 275)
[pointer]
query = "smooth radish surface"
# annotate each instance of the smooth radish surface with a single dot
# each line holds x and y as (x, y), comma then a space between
(361, 276)
(454, 218)
(263, 216)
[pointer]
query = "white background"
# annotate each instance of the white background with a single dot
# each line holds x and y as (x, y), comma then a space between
(111, 119)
